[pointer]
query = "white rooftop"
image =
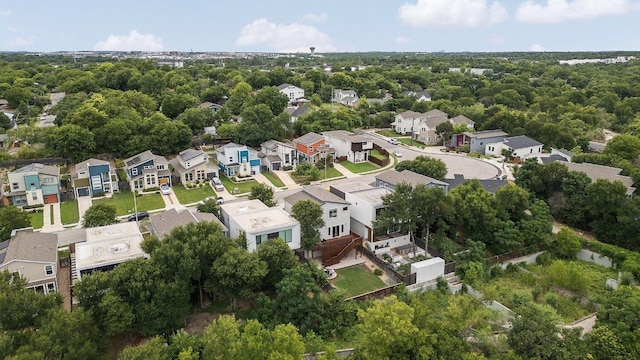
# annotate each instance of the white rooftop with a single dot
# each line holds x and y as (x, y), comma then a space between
(254, 216)
(373, 196)
(242, 207)
(109, 245)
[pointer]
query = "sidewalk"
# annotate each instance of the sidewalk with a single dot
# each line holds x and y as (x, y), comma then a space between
(348, 174)
(287, 180)
(263, 180)
(46, 214)
(171, 201)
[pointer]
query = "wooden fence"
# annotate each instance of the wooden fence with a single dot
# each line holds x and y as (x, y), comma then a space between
(385, 266)
(379, 162)
(375, 294)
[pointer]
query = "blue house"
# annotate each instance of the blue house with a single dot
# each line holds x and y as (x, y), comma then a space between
(94, 177)
(146, 170)
(34, 184)
(238, 160)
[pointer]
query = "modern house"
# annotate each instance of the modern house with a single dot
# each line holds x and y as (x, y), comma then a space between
(335, 210)
(277, 155)
(311, 147)
(34, 184)
(34, 256)
(105, 247)
(162, 223)
(345, 97)
(190, 165)
(146, 170)
(291, 91)
(94, 177)
(238, 160)
(596, 172)
(522, 147)
(390, 179)
(349, 146)
(478, 140)
(260, 223)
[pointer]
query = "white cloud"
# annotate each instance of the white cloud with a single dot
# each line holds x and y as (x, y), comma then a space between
(11, 29)
(315, 17)
(555, 11)
(402, 40)
(452, 13)
(135, 41)
(20, 42)
(5, 12)
(497, 40)
(537, 48)
(293, 37)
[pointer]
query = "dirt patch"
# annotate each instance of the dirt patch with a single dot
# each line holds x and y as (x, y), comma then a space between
(372, 267)
(197, 322)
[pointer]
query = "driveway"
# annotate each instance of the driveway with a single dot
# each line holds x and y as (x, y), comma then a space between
(84, 203)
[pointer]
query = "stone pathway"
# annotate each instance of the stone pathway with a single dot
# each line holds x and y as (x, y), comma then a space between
(46, 214)
(287, 180)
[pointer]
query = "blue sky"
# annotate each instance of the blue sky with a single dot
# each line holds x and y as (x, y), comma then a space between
(330, 25)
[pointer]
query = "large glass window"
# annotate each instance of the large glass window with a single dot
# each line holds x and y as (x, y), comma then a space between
(285, 235)
(333, 213)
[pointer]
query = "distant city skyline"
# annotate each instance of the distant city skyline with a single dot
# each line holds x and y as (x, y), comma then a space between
(329, 26)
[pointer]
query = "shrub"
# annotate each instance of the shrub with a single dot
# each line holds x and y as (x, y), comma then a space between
(442, 284)
(545, 258)
(551, 299)
(377, 272)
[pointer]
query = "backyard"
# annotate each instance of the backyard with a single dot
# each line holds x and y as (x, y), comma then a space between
(360, 167)
(273, 178)
(193, 195)
(69, 212)
(243, 186)
(376, 154)
(356, 280)
(123, 202)
(37, 220)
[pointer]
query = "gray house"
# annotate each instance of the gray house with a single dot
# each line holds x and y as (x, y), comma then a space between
(390, 179)
(478, 140)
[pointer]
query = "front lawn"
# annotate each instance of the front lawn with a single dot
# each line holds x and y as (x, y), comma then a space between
(358, 168)
(273, 178)
(243, 186)
(123, 201)
(387, 133)
(407, 141)
(376, 154)
(193, 195)
(356, 280)
(37, 220)
(331, 173)
(69, 212)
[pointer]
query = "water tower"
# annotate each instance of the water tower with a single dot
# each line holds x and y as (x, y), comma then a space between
(313, 50)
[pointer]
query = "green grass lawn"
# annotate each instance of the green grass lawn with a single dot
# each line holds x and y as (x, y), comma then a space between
(376, 154)
(190, 196)
(37, 219)
(356, 280)
(69, 212)
(51, 220)
(243, 187)
(275, 180)
(331, 173)
(387, 133)
(358, 168)
(407, 141)
(123, 201)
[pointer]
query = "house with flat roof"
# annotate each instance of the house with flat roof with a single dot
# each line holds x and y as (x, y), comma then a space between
(146, 170)
(162, 223)
(260, 223)
(34, 256)
(596, 172)
(522, 147)
(34, 184)
(94, 177)
(354, 148)
(237, 160)
(191, 165)
(107, 246)
(390, 179)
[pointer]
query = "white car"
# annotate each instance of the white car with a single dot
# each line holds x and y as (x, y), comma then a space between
(397, 153)
(393, 141)
(165, 189)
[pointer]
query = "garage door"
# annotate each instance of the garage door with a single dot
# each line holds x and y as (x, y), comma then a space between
(50, 199)
(83, 192)
(163, 181)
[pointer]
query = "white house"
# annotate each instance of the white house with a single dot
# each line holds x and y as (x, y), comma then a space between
(277, 154)
(345, 97)
(405, 122)
(260, 223)
(190, 165)
(425, 130)
(419, 95)
(354, 147)
(291, 91)
(237, 160)
(523, 147)
(335, 211)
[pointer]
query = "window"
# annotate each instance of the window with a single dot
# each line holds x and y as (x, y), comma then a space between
(285, 235)
(48, 269)
(333, 213)
(151, 180)
(15, 186)
(134, 171)
(51, 287)
(230, 159)
(47, 180)
(160, 167)
(346, 208)
(148, 166)
(341, 228)
(200, 175)
(34, 195)
(310, 149)
(188, 176)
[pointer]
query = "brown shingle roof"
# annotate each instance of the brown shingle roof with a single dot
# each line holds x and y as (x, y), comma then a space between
(32, 246)
(407, 176)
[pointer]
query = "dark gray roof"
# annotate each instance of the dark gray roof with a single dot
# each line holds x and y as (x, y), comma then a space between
(490, 185)
(40, 169)
(308, 139)
(168, 220)
(552, 158)
(407, 176)
(226, 146)
(189, 154)
(519, 142)
(300, 111)
(139, 159)
(32, 246)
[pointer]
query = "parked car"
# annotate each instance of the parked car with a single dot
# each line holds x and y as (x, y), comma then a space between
(139, 215)
(165, 189)
(397, 153)
(219, 200)
(217, 184)
(393, 141)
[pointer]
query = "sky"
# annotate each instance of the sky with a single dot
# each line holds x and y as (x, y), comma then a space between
(329, 25)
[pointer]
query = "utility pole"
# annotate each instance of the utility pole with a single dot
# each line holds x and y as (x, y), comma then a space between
(413, 124)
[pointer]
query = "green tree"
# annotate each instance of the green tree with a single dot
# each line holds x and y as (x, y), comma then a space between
(511, 202)
(99, 215)
(72, 141)
(273, 98)
(239, 98)
(152, 349)
(175, 104)
(196, 119)
(21, 308)
(221, 339)
(309, 214)
(624, 146)
(604, 344)
(475, 211)
(444, 132)
(567, 244)
(278, 257)
(424, 165)
(264, 193)
(620, 312)
(210, 206)
(5, 122)
(11, 218)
